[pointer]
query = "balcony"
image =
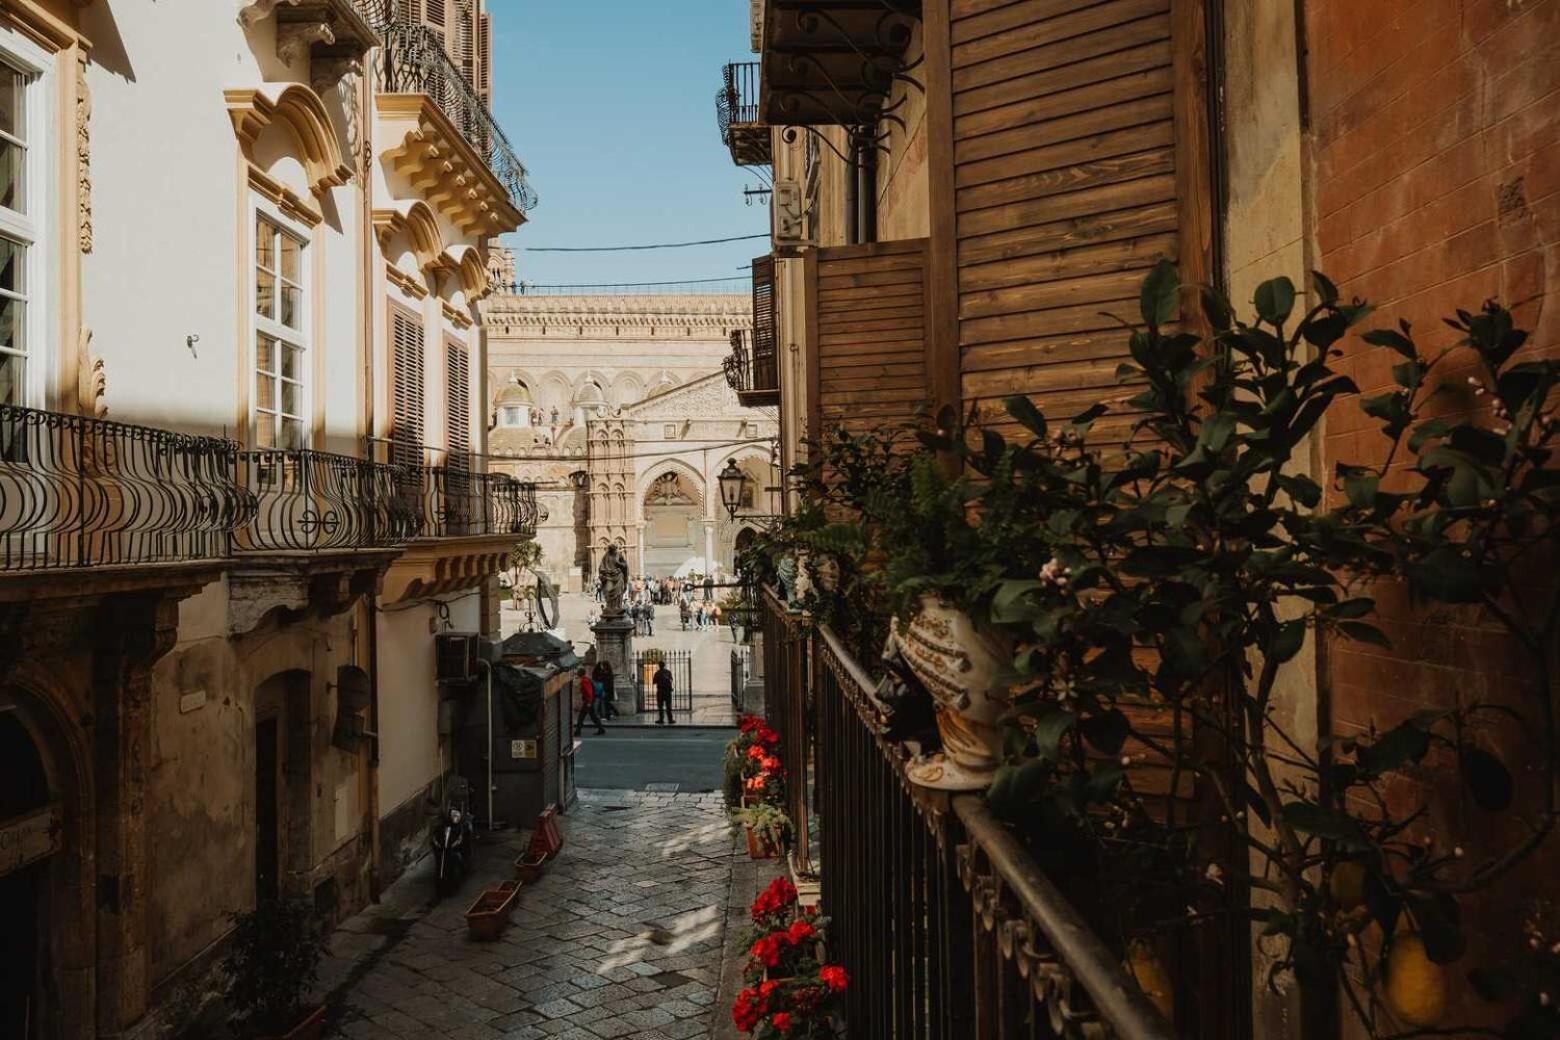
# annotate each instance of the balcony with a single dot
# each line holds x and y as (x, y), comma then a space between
(753, 366)
(832, 62)
(442, 136)
(120, 504)
(944, 921)
(736, 111)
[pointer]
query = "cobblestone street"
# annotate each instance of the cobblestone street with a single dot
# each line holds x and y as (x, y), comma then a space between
(621, 938)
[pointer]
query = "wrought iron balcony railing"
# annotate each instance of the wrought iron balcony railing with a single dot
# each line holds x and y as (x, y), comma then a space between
(736, 111)
(415, 62)
(317, 500)
(83, 492)
(753, 375)
(946, 924)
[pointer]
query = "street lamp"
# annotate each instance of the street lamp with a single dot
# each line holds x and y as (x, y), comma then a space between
(731, 480)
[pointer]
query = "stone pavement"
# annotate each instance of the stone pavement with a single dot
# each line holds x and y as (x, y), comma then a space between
(621, 939)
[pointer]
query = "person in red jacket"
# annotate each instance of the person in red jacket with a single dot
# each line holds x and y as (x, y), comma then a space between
(587, 704)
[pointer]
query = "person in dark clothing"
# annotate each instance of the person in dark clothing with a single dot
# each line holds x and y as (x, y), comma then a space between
(649, 619)
(606, 689)
(587, 705)
(709, 588)
(663, 695)
(601, 682)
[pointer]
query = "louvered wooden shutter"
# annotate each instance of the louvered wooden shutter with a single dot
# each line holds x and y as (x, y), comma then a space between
(406, 438)
(1075, 133)
(765, 370)
(457, 378)
(466, 43)
(866, 335)
(485, 56)
(409, 11)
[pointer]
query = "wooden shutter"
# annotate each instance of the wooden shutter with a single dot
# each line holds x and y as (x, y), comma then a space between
(457, 373)
(434, 14)
(1074, 153)
(485, 56)
(866, 348)
(406, 436)
(765, 370)
(409, 11)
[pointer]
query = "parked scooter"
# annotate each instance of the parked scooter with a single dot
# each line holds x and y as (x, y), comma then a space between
(452, 839)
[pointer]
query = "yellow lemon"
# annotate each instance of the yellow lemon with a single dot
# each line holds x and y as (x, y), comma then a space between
(1145, 967)
(1415, 985)
(1347, 885)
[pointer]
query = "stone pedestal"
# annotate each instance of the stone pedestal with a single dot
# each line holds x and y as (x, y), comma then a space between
(615, 645)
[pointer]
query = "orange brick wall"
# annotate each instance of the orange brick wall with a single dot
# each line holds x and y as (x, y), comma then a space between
(1436, 135)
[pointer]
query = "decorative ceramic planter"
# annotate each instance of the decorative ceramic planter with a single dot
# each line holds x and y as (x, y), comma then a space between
(486, 919)
(311, 1028)
(959, 666)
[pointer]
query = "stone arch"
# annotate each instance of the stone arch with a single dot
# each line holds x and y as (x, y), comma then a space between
(661, 468)
(49, 904)
(627, 388)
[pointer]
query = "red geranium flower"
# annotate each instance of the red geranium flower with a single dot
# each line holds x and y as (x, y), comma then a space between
(782, 1021)
(755, 752)
(800, 930)
(769, 762)
(834, 977)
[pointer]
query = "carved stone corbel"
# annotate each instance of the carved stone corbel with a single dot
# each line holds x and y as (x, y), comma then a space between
(253, 12)
(91, 381)
(293, 39)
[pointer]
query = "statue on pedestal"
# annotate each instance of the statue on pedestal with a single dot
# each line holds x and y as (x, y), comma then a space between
(614, 581)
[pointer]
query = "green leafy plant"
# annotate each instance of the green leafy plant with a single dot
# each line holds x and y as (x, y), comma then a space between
(1183, 572)
(769, 824)
(272, 963)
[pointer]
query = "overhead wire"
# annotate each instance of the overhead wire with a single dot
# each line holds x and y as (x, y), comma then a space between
(653, 245)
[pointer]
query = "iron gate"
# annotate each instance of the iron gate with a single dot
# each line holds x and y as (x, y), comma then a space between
(680, 664)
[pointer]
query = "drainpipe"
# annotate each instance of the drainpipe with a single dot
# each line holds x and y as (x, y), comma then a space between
(487, 671)
(866, 191)
(852, 236)
(373, 757)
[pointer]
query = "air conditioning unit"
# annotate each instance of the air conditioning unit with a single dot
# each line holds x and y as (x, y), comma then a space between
(756, 25)
(455, 657)
(789, 214)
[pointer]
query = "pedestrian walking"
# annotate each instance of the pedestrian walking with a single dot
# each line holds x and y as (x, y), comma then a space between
(663, 695)
(587, 704)
(649, 619)
(601, 681)
(709, 588)
(685, 613)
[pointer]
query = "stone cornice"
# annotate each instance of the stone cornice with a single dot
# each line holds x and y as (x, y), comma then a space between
(725, 310)
(420, 141)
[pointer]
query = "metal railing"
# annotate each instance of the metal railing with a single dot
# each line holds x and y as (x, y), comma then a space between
(85, 492)
(944, 921)
(317, 500)
(748, 371)
(415, 62)
(736, 113)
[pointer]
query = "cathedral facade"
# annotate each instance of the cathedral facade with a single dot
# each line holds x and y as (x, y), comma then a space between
(617, 406)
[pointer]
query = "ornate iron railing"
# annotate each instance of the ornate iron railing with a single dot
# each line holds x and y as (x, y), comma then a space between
(415, 62)
(946, 924)
(736, 113)
(755, 377)
(309, 500)
(82, 492)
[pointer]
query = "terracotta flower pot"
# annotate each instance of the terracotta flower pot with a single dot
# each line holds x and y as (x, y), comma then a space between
(530, 867)
(486, 919)
(958, 664)
(311, 1028)
(756, 848)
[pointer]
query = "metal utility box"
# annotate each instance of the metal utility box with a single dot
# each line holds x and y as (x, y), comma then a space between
(532, 741)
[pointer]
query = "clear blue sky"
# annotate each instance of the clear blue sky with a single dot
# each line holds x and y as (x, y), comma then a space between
(611, 106)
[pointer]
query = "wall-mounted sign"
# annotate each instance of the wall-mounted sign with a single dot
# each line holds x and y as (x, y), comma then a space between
(522, 749)
(27, 839)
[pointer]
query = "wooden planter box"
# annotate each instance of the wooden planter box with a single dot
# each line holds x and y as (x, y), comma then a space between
(486, 919)
(311, 1028)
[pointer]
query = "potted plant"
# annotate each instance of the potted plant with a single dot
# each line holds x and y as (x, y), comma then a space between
(272, 963)
(768, 829)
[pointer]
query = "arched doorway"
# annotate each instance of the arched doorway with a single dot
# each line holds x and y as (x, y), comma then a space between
(283, 766)
(673, 512)
(30, 826)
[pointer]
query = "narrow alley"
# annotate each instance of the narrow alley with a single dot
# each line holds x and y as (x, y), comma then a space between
(621, 938)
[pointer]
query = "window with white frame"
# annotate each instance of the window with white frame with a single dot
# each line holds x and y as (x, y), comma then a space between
(24, 197)
(280, 342)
